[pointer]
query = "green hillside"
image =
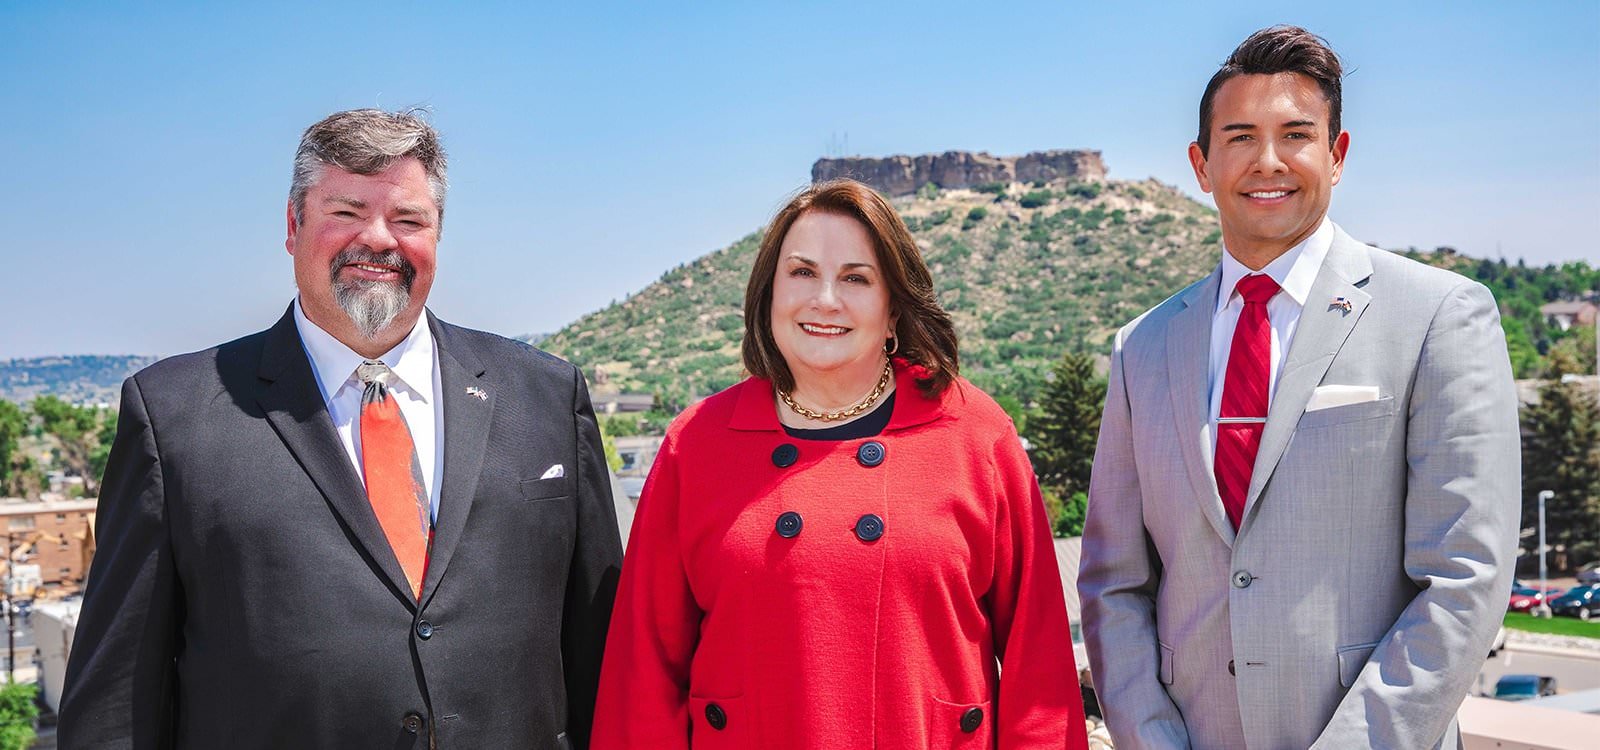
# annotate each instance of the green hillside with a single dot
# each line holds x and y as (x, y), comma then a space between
(1027, 271)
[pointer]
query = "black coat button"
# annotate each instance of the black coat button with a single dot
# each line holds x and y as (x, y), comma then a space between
(424, 630)
(1242, 579)
(869, 527)
(1230, 667)
(715, 716)
(971, 720)
(412, 722)
(870, 453)
(785, 455)
(789, 525)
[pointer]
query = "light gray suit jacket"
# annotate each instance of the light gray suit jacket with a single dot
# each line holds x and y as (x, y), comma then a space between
(1355, 604)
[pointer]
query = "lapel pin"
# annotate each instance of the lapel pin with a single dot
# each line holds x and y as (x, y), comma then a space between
(1341, 303)
(477, 392)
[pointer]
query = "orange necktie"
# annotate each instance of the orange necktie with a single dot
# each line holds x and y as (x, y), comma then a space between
(393, 475)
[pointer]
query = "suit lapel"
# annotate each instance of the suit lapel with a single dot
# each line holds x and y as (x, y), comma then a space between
(293, 405)
(1188, 373)
(1322, 330)
(467, 416)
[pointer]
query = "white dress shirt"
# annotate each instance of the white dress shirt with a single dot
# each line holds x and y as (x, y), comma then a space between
(415, 387)
(1295, 271)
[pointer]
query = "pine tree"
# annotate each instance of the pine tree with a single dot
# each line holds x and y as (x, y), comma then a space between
(1064, 432)
(1561, 453)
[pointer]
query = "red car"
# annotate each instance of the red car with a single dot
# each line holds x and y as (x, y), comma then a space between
(1525, 598)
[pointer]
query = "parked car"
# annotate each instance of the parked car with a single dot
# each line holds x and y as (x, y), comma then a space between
(1521, 687)
(1589, 574)
(1526, 598)
(1582, 602)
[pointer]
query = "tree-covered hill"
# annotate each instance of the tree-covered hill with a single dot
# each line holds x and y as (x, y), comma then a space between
(1029, 271)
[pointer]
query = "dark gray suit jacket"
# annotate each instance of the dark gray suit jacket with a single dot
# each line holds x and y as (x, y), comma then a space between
(243, 594)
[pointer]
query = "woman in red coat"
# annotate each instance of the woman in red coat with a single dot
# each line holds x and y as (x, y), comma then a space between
(848, 549)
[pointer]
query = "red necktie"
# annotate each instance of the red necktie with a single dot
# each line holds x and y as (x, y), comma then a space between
(1244, 395)
(393, 474)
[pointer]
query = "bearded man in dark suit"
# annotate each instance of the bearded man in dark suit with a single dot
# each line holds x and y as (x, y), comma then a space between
(362, 527)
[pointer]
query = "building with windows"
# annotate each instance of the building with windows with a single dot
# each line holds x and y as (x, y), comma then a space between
(57, 535)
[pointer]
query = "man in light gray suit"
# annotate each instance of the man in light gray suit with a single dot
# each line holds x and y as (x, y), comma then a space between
(1303, 511)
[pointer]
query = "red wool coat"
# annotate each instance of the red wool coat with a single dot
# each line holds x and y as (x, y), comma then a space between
(883, 615)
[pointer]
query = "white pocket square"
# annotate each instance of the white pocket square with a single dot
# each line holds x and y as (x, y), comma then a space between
(1329, 396)
(555, 472)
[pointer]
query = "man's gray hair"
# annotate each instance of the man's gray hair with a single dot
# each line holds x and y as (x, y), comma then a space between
(367, 141)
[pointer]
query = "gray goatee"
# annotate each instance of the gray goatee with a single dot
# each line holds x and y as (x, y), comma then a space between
(371, 305)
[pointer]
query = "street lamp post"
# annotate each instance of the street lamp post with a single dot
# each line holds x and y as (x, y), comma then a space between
(1544, 594)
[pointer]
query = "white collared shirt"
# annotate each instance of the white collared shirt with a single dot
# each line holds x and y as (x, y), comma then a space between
(1295, 271)
(415, 388)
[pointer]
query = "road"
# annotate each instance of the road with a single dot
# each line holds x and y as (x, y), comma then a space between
(1571, 673)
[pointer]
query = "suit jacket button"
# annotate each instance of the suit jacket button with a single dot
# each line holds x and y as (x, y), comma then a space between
(789, 525)
(785, 455)
(411, 722)
(1230, 667)
(870, 453)
(424, 630)
(1242, 579)
(971, 720)
(869, 528)
(716, 717)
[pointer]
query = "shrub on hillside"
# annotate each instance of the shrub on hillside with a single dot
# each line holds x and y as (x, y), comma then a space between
(1085, 190)
(977, 214)
(1036, 198)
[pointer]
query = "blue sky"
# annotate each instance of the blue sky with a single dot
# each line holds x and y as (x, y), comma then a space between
(593, 148)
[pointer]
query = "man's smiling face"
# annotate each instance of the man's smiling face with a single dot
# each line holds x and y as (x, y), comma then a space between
(1270, 166)
(365, 250)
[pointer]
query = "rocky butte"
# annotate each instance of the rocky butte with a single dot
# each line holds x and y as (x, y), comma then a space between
(903, 175)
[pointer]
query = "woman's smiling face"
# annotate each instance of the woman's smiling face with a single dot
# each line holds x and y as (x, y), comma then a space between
(830, 307)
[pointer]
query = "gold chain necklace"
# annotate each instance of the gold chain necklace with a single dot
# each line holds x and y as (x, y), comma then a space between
(859, 407)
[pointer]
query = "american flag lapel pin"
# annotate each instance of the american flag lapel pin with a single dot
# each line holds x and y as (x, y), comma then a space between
(477, 393)
(1341, 303)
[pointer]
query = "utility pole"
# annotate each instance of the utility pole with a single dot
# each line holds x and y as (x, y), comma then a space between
(1544, 595)
(11, 623)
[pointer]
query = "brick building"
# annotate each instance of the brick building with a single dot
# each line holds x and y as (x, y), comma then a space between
(56, 535)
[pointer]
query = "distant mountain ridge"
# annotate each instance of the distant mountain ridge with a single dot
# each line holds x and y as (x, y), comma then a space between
(79, 378)
(1028, 270)
(901, 175)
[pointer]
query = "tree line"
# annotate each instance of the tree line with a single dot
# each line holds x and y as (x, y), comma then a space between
(1560, 453)
(76, 439)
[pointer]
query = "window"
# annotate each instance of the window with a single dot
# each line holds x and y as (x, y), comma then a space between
(20, 523)
(61, 518)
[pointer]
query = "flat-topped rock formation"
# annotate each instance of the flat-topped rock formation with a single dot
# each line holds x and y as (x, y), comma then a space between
(903, 175)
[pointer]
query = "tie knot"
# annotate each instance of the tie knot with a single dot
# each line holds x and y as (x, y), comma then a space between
(370, 372)
(1257, 287)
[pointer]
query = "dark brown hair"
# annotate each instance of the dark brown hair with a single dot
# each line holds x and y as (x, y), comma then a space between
(926, 335)
(1279, 49)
